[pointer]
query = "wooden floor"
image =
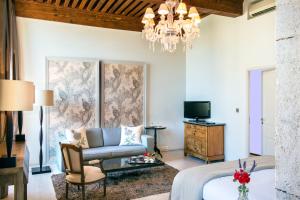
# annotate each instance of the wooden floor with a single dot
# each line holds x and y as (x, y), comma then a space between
(40, 186)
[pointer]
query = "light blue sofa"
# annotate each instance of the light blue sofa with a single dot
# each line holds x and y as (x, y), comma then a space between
(104, 144)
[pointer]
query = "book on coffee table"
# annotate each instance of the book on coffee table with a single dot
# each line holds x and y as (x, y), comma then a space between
(141, 160)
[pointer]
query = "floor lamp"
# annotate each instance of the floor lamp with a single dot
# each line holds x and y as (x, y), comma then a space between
(44, 98)
(15, 95)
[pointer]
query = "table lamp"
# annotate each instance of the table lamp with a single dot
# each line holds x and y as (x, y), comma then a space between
(44, 98)
(15, 95)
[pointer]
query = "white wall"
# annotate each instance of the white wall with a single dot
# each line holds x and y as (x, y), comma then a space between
(217, 70)
(40, 39)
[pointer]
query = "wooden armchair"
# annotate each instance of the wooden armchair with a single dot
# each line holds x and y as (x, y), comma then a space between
(76, 172)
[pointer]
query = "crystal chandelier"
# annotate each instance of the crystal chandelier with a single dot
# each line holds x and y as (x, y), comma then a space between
(168, 32)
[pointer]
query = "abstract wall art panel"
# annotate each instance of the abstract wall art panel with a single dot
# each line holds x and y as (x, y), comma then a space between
(76, 92)
(123, 94)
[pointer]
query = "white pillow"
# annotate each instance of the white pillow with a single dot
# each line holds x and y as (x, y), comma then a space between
(131, 135)
(77, 137)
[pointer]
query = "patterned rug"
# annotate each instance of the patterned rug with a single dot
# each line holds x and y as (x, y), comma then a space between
(122, 185)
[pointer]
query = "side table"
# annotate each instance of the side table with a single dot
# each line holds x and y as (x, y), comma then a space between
(17, 176)
(155, 128)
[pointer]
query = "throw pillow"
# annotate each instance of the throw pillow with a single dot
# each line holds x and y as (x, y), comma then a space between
(131, 135)
(77, 137)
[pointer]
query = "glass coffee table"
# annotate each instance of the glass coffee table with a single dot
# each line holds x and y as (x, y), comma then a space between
(122, 164)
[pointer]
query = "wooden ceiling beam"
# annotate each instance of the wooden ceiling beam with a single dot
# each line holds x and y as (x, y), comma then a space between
(99, 5)
(90, 6)
(142, 12)
(123, 6)
(107, 6)
(230, 8)
(74, 4)
(57, 2)
(66, 4)
(115, 6)
(82, 4)
(76, 16)
(138, 8)
(130, 8)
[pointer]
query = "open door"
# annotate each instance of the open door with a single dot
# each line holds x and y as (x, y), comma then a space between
(268, 119)
(262, 86)
(255, 108)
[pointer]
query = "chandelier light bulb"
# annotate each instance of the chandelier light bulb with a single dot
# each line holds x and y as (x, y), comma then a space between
(181, 9)
(149, 13)
(193, 12)
(163, 9)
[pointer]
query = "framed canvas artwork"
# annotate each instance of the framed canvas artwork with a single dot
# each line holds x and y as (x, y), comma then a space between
(75, 83)
(123, 94)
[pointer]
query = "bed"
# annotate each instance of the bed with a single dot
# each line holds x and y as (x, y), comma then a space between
(214, 181)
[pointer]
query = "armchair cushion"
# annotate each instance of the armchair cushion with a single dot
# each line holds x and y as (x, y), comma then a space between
(91, 174)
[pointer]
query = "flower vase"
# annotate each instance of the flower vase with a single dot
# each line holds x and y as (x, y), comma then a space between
(243, 192)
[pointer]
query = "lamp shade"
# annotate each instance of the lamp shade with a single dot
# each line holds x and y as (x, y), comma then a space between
(193, 12)
(181, 9)
(144, 20)
(149, 13)
(163, 9)
(45, 98)
(16, 95)
(197, 20)
(151, 22)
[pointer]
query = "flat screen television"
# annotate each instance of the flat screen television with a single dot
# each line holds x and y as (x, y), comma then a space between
(197, 110)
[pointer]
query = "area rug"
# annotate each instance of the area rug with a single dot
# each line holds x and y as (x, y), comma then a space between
(122, 186)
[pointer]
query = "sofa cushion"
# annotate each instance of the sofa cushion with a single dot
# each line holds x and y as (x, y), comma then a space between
(121, 151)
(112, 152)
(96, 153)
(111, 136)
(94, 137)
(91, 174)
(77, 137)
(131, 135)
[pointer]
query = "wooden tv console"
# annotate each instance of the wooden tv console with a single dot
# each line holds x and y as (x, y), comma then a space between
(204, 141)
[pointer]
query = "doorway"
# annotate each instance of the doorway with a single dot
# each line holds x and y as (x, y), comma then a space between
(262, 86)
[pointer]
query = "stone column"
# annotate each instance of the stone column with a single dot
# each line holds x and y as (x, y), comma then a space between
(287, 140)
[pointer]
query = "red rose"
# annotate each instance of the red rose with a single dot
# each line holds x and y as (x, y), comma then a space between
(236, 175)
(244, 178)
(248, 180)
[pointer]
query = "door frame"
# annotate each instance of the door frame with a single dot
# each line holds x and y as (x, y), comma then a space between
(263, 69)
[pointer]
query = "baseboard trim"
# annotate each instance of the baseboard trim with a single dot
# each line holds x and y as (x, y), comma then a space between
(176, 149)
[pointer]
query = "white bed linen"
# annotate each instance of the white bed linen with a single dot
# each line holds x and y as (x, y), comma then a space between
(261, 187)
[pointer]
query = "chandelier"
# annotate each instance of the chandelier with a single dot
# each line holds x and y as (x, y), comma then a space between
(169, 31)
